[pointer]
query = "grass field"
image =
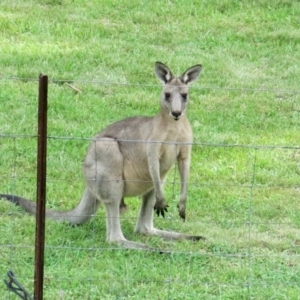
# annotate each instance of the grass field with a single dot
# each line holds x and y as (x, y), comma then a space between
(244, 191)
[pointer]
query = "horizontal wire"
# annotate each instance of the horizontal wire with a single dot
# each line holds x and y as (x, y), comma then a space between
(231, 223)
(166, 182)
(173, 252)
(169, 280)
(203, 144)
(18, 136)
(99, 82)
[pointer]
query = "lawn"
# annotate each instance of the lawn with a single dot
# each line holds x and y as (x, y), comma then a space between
(244, 190)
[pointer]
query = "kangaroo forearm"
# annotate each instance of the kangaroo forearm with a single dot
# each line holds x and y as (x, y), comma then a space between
(155, 176)
(183, 165)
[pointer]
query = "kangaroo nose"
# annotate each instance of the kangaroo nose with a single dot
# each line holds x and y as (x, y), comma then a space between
(176, 114)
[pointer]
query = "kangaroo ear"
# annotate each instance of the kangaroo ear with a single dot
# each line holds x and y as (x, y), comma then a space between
(191, 74)
(163, 72)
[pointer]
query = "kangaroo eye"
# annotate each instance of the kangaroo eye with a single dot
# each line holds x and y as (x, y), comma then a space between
(184, 96)
(167, 96)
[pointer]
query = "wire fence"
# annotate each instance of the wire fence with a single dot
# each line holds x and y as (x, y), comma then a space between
(243, 198)
(102, 82)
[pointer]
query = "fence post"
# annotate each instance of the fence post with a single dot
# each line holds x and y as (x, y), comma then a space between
(41, 188)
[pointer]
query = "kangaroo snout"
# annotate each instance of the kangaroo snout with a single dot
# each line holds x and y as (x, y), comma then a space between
(176, 115)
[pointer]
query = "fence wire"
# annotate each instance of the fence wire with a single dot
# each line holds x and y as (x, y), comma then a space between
(102, 82)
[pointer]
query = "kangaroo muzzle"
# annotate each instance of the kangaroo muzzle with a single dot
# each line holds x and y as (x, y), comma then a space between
(176, 115)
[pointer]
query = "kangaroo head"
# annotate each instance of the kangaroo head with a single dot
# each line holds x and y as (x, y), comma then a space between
(175, 91)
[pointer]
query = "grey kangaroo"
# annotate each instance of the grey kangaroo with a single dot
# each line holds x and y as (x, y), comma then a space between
(131, 158)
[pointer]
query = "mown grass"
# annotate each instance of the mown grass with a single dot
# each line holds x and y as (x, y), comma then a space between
(244, 199)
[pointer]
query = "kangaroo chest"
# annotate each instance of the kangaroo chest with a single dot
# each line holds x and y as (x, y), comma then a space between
(168, 156)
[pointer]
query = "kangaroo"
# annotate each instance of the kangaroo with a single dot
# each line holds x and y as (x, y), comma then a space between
(131, 158)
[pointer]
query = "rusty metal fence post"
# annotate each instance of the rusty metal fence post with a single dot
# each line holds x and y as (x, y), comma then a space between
(41, 187)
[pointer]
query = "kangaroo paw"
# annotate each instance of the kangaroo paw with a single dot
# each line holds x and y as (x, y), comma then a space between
(181, 211)
(161, 209)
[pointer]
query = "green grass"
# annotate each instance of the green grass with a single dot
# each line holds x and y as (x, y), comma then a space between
(243, 199)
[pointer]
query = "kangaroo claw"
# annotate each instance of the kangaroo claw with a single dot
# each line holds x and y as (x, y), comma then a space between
(161, 210)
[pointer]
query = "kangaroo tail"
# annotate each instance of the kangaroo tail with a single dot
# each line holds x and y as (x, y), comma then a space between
(30, 207)
(78, 215)
(26, 204)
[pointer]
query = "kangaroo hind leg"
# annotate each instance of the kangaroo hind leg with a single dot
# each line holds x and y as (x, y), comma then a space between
(103, 171)
(83, 212)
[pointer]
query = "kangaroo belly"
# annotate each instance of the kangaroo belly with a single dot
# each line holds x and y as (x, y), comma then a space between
(134, 189)
(137, 178)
